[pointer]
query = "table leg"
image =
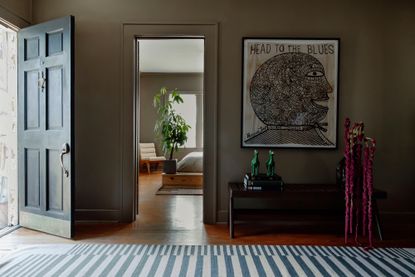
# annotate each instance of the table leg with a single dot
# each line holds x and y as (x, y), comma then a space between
(231, 232)
(377, 219)
(148, 167)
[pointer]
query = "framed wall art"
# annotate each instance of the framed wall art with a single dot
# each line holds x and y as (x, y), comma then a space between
(290, 92)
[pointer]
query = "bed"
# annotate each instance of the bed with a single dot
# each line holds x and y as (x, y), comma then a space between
(192, 162)
(189, 172)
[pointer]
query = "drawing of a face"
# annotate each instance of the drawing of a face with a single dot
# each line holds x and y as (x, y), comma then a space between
(290, 89)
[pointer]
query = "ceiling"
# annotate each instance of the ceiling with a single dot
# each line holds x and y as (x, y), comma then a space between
(171, 55)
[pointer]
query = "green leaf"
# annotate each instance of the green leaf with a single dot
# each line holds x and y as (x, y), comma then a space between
(171, 128)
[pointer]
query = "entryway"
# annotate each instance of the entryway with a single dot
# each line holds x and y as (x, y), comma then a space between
(131, 137)
(171, 69)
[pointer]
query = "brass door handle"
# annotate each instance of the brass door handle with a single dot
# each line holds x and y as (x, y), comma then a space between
(65, 150)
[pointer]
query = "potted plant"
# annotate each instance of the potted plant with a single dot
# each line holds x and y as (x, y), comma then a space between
(170, 127)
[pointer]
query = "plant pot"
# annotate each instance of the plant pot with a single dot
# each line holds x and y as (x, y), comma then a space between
(170, 166)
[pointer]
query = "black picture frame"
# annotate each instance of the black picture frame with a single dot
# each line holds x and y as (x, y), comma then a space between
(290, 92)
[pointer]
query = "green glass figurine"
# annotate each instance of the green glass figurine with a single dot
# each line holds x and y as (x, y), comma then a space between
(270, 164)
(255, 164)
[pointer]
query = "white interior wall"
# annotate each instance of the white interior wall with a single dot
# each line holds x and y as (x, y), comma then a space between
(8, 128)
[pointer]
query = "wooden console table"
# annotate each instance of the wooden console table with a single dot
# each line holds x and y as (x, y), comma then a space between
(295, 191)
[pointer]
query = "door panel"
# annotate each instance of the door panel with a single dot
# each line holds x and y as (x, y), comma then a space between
(31, 48)
(32, 163)
(54, 42)
(45, 126)
(32, 101)
(54, 95)
(55, 182)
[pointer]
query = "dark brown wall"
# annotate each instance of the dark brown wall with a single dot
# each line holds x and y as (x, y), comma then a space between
(150, 84)
(17, 12)
(377, 62)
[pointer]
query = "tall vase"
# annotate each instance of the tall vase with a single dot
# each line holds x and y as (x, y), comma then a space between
(170, 166)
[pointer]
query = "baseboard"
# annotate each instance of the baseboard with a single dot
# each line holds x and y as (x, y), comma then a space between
(97, 215)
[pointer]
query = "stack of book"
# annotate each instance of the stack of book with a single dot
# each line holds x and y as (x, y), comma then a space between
(263, 182)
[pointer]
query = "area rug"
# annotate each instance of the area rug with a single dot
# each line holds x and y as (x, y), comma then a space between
(179, 191)
(205, 260)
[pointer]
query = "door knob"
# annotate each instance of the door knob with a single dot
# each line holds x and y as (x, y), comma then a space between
(42, 82)
(65, 150)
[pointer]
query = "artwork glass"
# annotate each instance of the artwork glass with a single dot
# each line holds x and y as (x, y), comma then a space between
(289, 93)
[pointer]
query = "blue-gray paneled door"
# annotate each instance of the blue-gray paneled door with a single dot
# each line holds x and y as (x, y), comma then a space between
(45, 127)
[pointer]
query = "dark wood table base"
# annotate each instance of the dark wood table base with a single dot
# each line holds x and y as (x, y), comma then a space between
(295, 191)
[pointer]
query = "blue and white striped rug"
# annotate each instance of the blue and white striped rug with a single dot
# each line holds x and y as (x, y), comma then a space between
(205, 260)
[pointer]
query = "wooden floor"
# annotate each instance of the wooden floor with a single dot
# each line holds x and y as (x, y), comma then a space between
(172, 219)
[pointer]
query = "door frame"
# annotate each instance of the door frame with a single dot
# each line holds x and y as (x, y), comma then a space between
(129, 100)
(12, 221)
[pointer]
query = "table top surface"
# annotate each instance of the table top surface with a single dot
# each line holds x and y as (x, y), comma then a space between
(238, 189)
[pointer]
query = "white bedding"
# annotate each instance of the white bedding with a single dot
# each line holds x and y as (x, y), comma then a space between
(192, 162)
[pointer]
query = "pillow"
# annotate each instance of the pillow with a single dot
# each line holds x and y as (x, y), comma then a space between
(192, 162)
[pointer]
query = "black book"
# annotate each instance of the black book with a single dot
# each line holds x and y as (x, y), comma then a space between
(263, 182)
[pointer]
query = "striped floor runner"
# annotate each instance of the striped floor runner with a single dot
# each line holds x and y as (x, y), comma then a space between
(205, 260)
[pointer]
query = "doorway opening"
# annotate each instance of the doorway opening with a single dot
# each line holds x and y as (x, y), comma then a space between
(8, 126)
(176, 64)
